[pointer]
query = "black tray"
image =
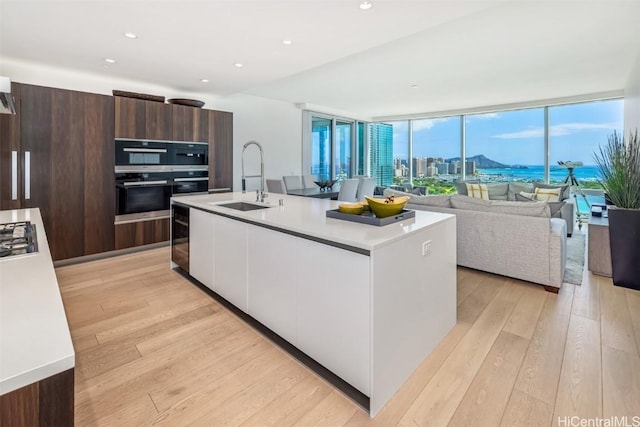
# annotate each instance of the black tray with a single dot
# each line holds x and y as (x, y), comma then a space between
(367, 217)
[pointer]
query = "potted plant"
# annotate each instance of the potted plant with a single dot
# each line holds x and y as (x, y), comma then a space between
(619, 166)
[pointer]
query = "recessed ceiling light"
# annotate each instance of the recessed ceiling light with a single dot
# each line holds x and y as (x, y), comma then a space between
(366, 5)
(204, 80)
(238, 65)
(110, 61)
(130, 35)
(415, 86)
(287, 42)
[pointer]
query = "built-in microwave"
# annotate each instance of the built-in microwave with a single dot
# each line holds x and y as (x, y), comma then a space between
(141, 153)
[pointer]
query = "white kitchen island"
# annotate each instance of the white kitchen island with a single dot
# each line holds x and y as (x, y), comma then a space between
(368, 303)
(37, 358)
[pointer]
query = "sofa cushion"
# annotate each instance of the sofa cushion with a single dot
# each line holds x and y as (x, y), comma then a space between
(461, 186)
(548, 194)
(536, 208)
(554, 207)
(516, 187)
(478, 191)
(498, 190)
(441, 200)
(565, 189)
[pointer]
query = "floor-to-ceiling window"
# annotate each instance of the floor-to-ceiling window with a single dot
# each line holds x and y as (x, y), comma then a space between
(389, 152)
(436, 153)
(505, 146)
(344, 148)
(321, 133)
(329, 148)
(576, 132)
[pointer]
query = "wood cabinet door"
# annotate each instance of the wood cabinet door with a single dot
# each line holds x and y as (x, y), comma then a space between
(10, 164)
(99, 188)
(189, 124)
(220, 150)
(130, 118)
(157, 121)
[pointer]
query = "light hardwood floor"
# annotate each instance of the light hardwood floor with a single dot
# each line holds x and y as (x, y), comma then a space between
(153, 349)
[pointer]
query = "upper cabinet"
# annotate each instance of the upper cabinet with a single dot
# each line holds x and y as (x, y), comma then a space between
(140, 119)
(189, 123)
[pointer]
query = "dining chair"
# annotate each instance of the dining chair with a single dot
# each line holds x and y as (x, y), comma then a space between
(293, 182)
(348, 190)
(308, 181)
(276, 186)
(366, 187)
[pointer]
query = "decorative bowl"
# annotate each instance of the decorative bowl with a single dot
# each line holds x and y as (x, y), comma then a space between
(324, 184)
(350, 208)
(390, 206)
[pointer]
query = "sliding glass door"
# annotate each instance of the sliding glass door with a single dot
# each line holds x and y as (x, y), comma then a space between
(321, 141)
(331, 150)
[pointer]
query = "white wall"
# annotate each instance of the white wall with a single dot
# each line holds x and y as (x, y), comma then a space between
(632, 100)
(276, 125)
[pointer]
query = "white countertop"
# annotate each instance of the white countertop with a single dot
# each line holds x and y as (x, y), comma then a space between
(307, 216)
(35, 342)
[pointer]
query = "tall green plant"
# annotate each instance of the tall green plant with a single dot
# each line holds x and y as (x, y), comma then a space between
(619, 166)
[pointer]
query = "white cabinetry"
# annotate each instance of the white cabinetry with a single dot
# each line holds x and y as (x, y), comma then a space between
(333, 310)
(273, 277)
(230, 247)
(201, 248)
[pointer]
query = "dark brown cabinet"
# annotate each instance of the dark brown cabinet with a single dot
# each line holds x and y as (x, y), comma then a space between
(65, 167)
(189, 124)
(220, 150)
(142, 233)
(140, 119)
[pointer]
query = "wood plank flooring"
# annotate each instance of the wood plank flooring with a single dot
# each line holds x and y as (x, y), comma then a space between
(153, 349)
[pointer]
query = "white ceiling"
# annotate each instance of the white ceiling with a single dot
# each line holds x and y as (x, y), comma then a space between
(462, 54)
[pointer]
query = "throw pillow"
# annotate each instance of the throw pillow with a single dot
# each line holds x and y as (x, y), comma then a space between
(478, 191)
(461, 186)
(548, 194)
(565, 189)
(516, 187)
(524, 197)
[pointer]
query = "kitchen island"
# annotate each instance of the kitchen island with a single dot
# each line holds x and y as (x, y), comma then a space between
(368, 303)
(37, 358)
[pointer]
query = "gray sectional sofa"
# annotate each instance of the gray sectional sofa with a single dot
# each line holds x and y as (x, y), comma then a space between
(514, 239)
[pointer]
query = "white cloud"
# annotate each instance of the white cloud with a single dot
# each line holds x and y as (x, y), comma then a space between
(557, 130)
(419, 125)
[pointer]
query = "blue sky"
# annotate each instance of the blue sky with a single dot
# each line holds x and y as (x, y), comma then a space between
(517, 137)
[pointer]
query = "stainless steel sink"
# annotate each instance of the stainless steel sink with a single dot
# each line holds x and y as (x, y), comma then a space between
(243, 206)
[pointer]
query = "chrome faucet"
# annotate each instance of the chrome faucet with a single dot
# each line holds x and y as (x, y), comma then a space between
(262, 195)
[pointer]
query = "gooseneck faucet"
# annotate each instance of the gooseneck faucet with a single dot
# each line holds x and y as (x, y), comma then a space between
(244, 185)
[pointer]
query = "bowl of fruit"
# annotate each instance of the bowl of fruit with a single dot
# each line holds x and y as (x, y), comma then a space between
(389, 206)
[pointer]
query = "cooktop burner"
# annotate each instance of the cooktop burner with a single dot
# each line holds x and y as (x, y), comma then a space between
(17, 238)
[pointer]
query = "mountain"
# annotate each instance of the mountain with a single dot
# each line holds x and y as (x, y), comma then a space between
(482, 162)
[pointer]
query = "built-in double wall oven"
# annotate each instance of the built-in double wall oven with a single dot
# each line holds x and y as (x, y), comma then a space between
(148, 173)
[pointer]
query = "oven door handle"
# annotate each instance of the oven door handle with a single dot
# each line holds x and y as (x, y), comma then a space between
(190, 179)
(139, 183)
(144, 150)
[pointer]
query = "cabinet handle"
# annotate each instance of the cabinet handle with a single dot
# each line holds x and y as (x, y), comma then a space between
(145, 150)
(190, 179)
(14, 175)
(140, 183)
(27, 175)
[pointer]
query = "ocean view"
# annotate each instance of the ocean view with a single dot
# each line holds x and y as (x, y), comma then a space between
(536, 173)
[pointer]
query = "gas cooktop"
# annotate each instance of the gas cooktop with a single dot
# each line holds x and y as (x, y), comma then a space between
(17, 238)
